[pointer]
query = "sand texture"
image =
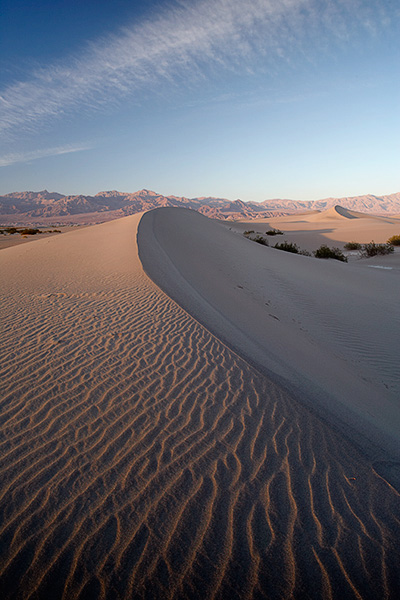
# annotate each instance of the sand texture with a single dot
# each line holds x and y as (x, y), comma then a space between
(140, 457)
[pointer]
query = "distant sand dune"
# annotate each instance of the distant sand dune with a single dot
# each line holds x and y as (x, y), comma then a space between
(337, 212)
(141, 458)
(333, 227)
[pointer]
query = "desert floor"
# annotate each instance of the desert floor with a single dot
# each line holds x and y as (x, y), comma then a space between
(16, 239)
(225, 429)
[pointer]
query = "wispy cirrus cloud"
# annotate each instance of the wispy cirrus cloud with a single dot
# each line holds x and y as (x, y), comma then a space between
(19, 157)
(185, 40)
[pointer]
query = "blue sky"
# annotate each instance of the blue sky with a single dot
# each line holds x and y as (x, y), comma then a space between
(249, 99)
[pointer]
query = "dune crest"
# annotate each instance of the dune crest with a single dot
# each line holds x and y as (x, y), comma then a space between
(326, 329)
(141, 458)
(339, 212)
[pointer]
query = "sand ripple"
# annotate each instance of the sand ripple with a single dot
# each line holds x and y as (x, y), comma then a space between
(140, 458)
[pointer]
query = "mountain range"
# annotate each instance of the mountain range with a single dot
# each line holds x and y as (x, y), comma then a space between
(51, 207)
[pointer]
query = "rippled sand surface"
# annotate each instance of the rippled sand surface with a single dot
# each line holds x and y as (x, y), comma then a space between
(141, 458)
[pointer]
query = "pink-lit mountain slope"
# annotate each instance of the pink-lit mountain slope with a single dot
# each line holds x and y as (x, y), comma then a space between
(51, 207)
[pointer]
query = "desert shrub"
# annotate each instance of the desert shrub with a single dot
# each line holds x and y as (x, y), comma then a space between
(274, 232)
(260, 240)
(56, 231)
(325, 252)
(352, 246)
(304, 252)
(29, 231)
(394, 240)
(373, 249)
(288, 247)
(11, 230)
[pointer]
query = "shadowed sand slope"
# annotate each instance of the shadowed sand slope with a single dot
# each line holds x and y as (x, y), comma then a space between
(140, 458)
(330, 330)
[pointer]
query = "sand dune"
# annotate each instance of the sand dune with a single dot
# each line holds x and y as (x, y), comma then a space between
(335, 226)
(328, 329)
(141, 458)
(340, 213)
(337, 212)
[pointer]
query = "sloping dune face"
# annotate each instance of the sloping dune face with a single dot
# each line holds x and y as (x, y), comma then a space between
(328, 330)
(339, 212)
(140, 458)
(336, 212)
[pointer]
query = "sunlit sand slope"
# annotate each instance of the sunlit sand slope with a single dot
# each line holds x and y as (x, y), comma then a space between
(140, 458)
(334, 227)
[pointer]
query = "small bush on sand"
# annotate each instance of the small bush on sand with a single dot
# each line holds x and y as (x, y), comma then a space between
(373, 249)
(11, 230)
(352, 246)
(29, 231)
(325, 252)
(304, 252)
(288, 247)
(394, 240)
(260, 240)
(274, 232)
(249, 232)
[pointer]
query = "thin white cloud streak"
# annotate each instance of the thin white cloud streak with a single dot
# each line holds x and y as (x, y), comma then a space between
(186, 41)
(21, 157)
